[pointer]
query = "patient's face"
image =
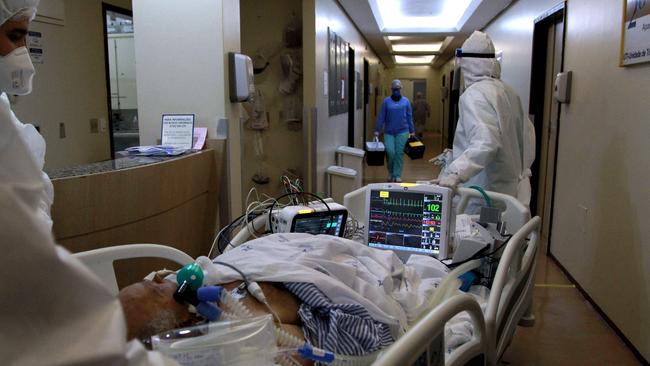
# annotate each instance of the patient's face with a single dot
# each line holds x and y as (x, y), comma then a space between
(150, 308)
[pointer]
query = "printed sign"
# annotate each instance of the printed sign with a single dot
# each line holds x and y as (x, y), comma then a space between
(635, 45)
(35, 46)
(200, 134)
(178, 130)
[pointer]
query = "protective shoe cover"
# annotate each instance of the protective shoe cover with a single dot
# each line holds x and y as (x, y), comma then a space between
(494, 142)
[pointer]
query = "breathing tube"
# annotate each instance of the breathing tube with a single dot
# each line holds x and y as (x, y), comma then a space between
(203, 298)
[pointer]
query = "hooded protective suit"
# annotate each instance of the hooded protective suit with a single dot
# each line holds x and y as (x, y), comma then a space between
(494, 143)
(53, 310)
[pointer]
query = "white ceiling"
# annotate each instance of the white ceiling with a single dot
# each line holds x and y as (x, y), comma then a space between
(367, 16)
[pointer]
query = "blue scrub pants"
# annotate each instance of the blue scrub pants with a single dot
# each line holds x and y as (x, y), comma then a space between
(395, 151)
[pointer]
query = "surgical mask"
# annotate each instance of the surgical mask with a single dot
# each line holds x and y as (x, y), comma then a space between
(397, 94)
(16, 72)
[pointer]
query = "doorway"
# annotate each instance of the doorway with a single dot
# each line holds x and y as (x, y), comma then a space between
(366, 86)
(351, 96)
(452, 108)
(548, 59)
(119, 50)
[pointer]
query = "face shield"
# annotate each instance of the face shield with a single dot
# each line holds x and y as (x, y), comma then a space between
(458, 82)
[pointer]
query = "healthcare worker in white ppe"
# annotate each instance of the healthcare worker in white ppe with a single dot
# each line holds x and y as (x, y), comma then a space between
(494, 142)
(53, 310)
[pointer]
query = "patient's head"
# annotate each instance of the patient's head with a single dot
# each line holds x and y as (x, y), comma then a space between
(150, 308)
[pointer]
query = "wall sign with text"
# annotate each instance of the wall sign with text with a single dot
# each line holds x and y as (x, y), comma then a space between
(635, 42)
(177, 130)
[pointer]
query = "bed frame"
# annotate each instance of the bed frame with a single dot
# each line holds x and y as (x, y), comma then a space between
(510, 298)
(509, 303)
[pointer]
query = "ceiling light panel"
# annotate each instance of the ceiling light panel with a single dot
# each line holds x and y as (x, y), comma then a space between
(422, 47)
(392, 15)
(420, 60)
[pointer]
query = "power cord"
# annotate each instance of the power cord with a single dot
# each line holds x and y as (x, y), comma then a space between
(295, 194)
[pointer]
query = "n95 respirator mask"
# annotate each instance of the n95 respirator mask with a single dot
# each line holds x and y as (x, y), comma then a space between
(16, 72)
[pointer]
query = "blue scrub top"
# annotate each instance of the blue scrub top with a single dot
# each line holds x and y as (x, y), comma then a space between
(395, 117)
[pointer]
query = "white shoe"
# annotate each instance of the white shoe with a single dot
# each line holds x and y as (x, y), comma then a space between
(398, 180)
(390, 179)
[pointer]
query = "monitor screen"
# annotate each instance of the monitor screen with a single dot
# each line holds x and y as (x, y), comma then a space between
(406, 221)
(331, 223)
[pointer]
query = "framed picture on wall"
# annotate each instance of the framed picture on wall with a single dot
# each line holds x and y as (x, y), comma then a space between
(635, 35)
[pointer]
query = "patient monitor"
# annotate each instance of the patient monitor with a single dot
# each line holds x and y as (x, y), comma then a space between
(408, 218)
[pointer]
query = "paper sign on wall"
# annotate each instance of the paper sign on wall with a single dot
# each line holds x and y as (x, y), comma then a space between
(200, 134)
(178, 130)
(635, 45)
(35, 45)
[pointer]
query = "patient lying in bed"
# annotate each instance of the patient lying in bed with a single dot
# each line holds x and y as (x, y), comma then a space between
(150, 308)
(337, 294)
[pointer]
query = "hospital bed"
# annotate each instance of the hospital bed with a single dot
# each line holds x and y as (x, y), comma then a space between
(100, 261)
(509, 301)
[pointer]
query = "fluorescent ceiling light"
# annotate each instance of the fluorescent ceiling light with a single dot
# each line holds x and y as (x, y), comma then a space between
(422, 47)
(392, 16)
(395, 38)
(414, 59)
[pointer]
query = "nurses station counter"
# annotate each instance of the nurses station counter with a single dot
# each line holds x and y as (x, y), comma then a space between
(160, 200)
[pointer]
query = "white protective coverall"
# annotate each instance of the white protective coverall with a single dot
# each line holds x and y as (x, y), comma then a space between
(494, 143)
(53, 310)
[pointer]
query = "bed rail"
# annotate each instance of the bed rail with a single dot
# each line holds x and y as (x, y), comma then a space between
(516, 215)
(511, 292)
(100, 261)
(418, 340)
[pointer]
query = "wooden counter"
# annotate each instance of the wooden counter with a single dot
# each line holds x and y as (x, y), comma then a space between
(171, 202)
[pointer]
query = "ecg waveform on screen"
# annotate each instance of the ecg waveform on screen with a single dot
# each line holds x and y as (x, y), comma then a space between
(404, 220)
(402, 203)
(395, 221)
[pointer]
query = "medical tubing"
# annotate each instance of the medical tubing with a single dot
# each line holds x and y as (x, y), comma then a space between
(236, 308)
(307, 351)
(287, 339)
(447, 286)
(487, 198)
(295, 194)
(243, 276)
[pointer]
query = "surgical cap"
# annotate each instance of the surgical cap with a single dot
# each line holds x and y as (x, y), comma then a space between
(396, 84)
(10, 8)
(478, 42)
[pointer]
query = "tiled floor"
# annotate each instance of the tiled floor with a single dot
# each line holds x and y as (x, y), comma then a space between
(567, 330)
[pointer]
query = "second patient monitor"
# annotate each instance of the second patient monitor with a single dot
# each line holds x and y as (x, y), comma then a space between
(408, 218)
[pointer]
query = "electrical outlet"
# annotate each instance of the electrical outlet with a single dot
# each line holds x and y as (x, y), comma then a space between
(94, 125)
(62, 130)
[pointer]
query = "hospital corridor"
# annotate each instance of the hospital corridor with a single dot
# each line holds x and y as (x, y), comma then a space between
(324, 182)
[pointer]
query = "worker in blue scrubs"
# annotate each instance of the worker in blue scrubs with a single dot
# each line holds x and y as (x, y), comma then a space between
(396, 119)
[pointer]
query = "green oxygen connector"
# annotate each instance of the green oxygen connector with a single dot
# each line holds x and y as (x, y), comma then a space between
(192, 274)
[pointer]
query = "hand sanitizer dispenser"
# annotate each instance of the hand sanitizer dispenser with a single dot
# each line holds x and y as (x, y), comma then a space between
(242, 82)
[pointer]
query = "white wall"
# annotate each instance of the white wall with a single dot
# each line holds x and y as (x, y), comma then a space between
(70, 86)
(331, 132)
(599, 228)
(181, 67)
(179, 70)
